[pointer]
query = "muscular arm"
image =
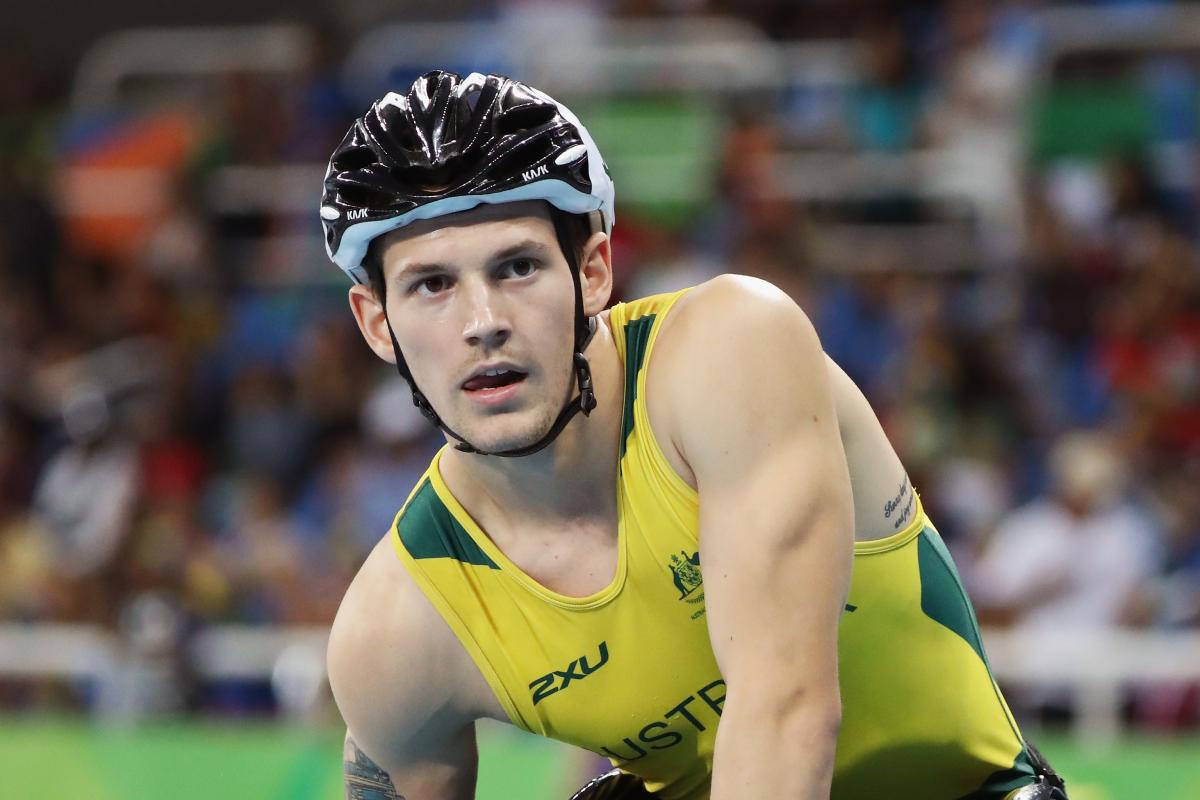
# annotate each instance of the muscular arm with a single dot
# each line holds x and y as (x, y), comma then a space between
(397, 675)
(755, 422)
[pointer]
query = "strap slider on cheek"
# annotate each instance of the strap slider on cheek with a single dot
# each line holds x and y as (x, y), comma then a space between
(587, 396)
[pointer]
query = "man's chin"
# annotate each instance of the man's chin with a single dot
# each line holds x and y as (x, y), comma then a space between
(503, 438)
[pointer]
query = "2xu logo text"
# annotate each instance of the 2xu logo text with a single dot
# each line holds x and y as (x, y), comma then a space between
(577, 670)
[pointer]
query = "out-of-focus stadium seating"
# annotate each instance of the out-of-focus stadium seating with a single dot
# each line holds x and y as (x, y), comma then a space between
(989, 210)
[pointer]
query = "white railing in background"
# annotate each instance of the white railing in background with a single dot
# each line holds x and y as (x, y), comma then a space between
(1096, 667)
(146, 54)
(236, 652)
(1078, 30)
(278, 189)
(297, 258)
(576, 55)
(73, 652)
(121, 675)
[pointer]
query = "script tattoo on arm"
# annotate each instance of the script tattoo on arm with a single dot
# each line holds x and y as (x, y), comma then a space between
(904, 497)
(364, 779)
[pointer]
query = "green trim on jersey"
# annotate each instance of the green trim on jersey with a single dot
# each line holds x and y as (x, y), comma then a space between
(1000, 784)
(943, 598)
(637, 336)
(429, 530)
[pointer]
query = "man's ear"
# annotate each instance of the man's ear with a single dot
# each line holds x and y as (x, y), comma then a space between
(369, 314)
(595, 274)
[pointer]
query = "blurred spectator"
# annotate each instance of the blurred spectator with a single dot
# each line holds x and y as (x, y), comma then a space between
(1169, 705)
(274, 580)
(1075, 557)
(1178, 505)
(889, 109)
(30, 234)
(750, 200)
(352, 497)
(975, 125)
(267, 432)
(667, 264)
(332, 375)
(1149, 349)
(25, 550)
(85, 502)
(861, 330)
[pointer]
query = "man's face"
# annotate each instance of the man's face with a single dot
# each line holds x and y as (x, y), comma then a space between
(485, 291)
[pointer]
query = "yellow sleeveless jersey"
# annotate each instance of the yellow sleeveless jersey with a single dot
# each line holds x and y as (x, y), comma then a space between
(629, 672)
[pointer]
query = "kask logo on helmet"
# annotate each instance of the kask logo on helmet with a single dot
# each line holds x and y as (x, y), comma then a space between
(534, 173)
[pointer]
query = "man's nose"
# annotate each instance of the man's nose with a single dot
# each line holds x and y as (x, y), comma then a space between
(487, 323)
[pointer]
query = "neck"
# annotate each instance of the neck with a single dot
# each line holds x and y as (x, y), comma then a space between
(571, 480)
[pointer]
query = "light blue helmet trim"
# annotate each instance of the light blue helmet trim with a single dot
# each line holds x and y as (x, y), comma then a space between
(602, 185)
(356, 238)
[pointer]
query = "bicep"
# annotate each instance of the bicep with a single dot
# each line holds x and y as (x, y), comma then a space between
(884, 498)
(395, 675)
(776, 512)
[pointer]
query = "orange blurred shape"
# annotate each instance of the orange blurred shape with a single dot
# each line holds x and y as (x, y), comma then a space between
(113, 192)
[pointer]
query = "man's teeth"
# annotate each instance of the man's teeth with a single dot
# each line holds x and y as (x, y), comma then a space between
(493, 372)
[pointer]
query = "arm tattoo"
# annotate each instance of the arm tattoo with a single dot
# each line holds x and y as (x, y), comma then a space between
(364, 779)
(905, 496)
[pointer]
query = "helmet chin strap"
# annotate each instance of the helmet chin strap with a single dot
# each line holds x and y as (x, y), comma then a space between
(585, 401)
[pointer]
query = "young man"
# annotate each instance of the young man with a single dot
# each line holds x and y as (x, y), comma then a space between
(679, 554)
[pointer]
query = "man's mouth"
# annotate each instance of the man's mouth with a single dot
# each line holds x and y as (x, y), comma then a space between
(493, 379)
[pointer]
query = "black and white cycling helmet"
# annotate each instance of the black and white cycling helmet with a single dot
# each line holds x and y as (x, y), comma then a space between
(450, 144)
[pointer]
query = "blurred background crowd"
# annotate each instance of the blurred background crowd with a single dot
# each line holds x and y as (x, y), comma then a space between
(990, 211)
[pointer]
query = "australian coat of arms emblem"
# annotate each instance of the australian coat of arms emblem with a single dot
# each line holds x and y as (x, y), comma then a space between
(686, 569)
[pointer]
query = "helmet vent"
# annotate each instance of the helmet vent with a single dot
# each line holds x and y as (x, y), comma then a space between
(472, 99)
(523, 118)
(426, 181)
(362, 197)
(355, 159)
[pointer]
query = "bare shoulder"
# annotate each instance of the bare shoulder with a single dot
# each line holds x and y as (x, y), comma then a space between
(727, 321)
(730, 318)
(396, 669)
(730, 300)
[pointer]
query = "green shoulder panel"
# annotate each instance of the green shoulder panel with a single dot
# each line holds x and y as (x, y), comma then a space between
(427, 529)
(943, 598)
(637, 338)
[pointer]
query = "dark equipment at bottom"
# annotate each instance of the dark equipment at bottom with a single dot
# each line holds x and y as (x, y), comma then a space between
(613, 785)
(617, 785)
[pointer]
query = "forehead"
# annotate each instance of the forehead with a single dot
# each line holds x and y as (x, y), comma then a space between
(468, 233)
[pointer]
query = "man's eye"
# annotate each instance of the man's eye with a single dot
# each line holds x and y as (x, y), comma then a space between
(520, 267)
(432, 285)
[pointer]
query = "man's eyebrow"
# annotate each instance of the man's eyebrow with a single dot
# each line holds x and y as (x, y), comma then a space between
(523, 247)
(419, 269)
